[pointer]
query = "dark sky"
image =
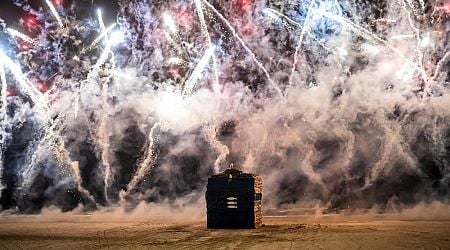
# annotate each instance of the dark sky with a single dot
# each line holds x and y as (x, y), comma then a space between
(12, 14)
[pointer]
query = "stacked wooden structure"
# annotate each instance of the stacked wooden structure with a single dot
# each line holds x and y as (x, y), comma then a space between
(233, 200)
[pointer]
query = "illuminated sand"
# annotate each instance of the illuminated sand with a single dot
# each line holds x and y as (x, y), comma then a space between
(279, 232)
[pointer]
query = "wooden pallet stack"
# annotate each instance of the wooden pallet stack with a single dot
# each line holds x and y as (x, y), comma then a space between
(233, 200)
(258, 201)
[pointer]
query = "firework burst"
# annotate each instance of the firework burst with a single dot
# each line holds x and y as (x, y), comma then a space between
(329, 101)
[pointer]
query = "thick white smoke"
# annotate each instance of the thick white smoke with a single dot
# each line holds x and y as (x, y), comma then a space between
(360, 122)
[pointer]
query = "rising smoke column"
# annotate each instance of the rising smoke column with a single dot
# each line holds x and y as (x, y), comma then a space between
(334, 103)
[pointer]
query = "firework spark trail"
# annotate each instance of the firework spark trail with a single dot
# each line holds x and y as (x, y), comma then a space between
(103, 130)
(204, 28)
(197, 73)
(56, 145)
(172, 33)
(418, 50)
(42, 109)
(399, 37)
(54, 141)
(422, 5)
(101, 60)
(233, 31)
(300, 41)
(66, 165)
(25, 84)
(55, 13)
(279, 16)
(170, 23)
(105, 145)
(175, 60)
(102, 24)
(148, 161)
(414, 8)
(410, 3)
(62, 154)
(210, 128)
(440, 65)
(3, 122)
(170, 39)
(384, 20)
(4, 90)
(22, 36)
(99, 38)
(336, 4)
(109, 43)
(172, 28)
(366, 34)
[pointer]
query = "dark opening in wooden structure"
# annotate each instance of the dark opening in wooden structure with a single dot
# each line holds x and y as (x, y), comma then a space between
(233, 200)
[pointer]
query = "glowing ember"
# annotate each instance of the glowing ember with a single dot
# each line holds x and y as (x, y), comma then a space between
(42, 87)
(30, 22)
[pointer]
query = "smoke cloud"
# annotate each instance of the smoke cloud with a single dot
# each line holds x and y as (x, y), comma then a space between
(360, 122)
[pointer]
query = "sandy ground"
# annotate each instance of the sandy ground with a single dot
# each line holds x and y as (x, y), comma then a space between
(279, 232)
